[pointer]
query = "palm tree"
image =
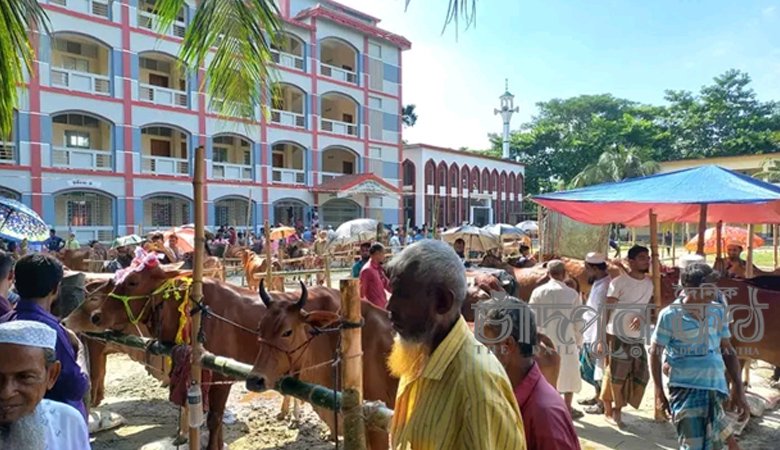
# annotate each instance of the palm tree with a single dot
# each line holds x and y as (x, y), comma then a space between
(408, 115)
(616, 164)
(16, 53)
(770, 171)
(238, 74)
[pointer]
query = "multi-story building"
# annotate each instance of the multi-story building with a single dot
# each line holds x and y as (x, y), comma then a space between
(105, 134)
(454, 187)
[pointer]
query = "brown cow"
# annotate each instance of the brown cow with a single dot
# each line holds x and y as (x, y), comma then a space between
(75, 259)
(229, 327)
(254, 264)
(288, 347)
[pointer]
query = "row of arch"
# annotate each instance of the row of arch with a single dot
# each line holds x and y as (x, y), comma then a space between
(455, 209)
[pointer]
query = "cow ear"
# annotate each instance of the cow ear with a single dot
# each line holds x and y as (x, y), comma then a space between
(320, 319)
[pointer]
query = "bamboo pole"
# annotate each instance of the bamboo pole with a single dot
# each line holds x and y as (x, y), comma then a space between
(268, 255)
(702, 229)
(248, 216)
(673, 243)
(326, 263)
(196, 295)
(749, 268)
(633, 236)
(656, 260)
(774, 243)
(719, 239)
(352, 366)
(376, 413)
(540, 231)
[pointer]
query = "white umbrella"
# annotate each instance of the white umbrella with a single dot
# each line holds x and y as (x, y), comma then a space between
(354, 231)
(529, 226)
(476, 239)
(504, 230)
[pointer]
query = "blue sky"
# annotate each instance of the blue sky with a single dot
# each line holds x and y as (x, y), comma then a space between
(561, 48)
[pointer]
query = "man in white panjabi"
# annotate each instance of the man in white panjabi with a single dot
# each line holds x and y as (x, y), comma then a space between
(28, 368)
(552, 299)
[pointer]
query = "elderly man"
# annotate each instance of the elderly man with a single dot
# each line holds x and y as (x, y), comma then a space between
(546, 417)
(550, 299)
(373, 281)
(28, 368)
(626, 373)
(38, 278)
(592, 368)
(697, 382)
(453, 392)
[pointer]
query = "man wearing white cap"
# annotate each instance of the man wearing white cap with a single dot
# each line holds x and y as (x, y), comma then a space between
(591, 367)
(28, 368)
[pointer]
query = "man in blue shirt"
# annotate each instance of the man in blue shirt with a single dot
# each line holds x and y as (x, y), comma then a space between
(695, 338)
(54, 243)
(364, 256)
(38, 279)
(307, 236)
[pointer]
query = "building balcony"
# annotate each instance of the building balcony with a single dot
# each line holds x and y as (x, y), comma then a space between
(92, 7)
(149, 21)
(162, 96)
(7, 153)
(227, 171)
(80, 81)
(343, 75)
(158, 165)
(325, 176)
(289, 176)
(337, 127)
(81, 158)
(288, 118)
(287, 60)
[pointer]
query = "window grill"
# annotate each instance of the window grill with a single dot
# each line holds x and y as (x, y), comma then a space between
(83, 209)
(231, 212)
(166, 211)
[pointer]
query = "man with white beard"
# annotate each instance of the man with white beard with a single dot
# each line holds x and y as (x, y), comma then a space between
(28, 368)
(453, 393)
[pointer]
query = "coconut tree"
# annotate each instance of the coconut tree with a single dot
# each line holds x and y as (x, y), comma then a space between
(237, 75)
(615, 164)
(408, 115)
(770, 171)
(16, 53)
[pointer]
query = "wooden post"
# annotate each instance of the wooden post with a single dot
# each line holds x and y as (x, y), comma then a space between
(197, 291)
(326, 263)
(352, 366)
(702, 229)
(673, 243)
(141, 229)
(380, 232)
(540, 232)
(749, 269)
(656, 260)
(248, 216)
(774, 243)
(633, 236)
(268, 255)
(719, 239)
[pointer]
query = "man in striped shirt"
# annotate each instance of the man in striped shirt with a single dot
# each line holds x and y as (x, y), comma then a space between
(453, 392)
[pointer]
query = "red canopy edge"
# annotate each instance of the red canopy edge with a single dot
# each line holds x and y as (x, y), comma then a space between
(638, 214)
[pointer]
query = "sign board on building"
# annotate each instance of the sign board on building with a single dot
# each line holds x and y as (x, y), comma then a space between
(83, 183)
(368, 187)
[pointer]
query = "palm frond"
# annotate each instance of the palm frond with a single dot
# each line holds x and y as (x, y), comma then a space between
(16, 53)
(457, 10)
(239, 33)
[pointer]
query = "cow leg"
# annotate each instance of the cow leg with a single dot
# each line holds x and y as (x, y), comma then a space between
(327, 416)
(746, 372)
(377, 440)
(218, 395)
(285, 411)
(296, 412)
(97, 370)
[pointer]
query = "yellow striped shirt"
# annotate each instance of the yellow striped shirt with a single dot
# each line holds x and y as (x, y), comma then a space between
(461, 400)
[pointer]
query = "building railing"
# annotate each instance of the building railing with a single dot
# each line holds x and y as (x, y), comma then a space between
(80, 81)
(325, 176)
(93, 7)
(162, 96)
(336, 127)
(288, 176)
(159, 165)
(84, 235)
(287, 59)
(7, 152)
(80, 158)
(338, 73)
(149, 21)
(288, 118)
(227, 171)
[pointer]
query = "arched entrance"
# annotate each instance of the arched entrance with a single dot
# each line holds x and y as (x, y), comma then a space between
(88, 214)
(166, 211)
(337, 211)
(289, 211)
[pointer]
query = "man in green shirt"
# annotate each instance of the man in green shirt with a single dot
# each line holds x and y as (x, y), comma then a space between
(72, 243)
(364, 255)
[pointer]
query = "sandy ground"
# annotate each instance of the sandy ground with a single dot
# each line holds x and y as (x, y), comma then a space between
(150, 418)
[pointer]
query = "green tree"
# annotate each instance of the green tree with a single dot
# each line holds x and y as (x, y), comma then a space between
(408, 115)
(16, 53)
(770, 171)
(616, 164)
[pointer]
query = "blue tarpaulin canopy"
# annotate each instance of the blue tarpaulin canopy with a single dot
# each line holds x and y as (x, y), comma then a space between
(673, 197)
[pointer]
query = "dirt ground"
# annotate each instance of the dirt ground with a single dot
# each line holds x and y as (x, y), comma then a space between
(151, 418)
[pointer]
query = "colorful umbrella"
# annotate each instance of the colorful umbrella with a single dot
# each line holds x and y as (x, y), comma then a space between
(17, 222)
(282, 233)
(729, 236)
(186, 238)
(124, 241)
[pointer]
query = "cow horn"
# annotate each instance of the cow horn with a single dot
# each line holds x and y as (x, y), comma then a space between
(304, 295)
(263, 294)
